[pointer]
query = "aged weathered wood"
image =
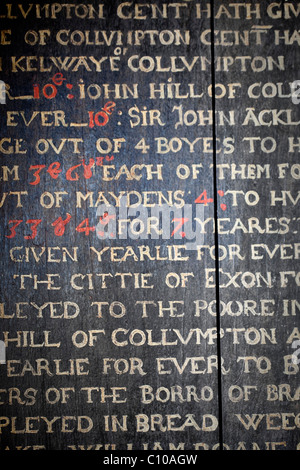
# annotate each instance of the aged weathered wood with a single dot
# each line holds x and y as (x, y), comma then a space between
(260, 398)
(149, 211)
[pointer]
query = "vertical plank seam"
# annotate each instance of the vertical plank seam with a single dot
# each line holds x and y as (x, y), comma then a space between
(216, 234)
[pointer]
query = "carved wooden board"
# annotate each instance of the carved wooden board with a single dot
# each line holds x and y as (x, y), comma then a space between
(149, 204)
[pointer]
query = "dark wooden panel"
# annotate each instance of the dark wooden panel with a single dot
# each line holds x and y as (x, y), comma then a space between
(150, 383)
(259, 394)
(113, 336)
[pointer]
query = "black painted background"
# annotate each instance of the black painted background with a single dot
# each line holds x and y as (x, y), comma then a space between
(225, 410)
